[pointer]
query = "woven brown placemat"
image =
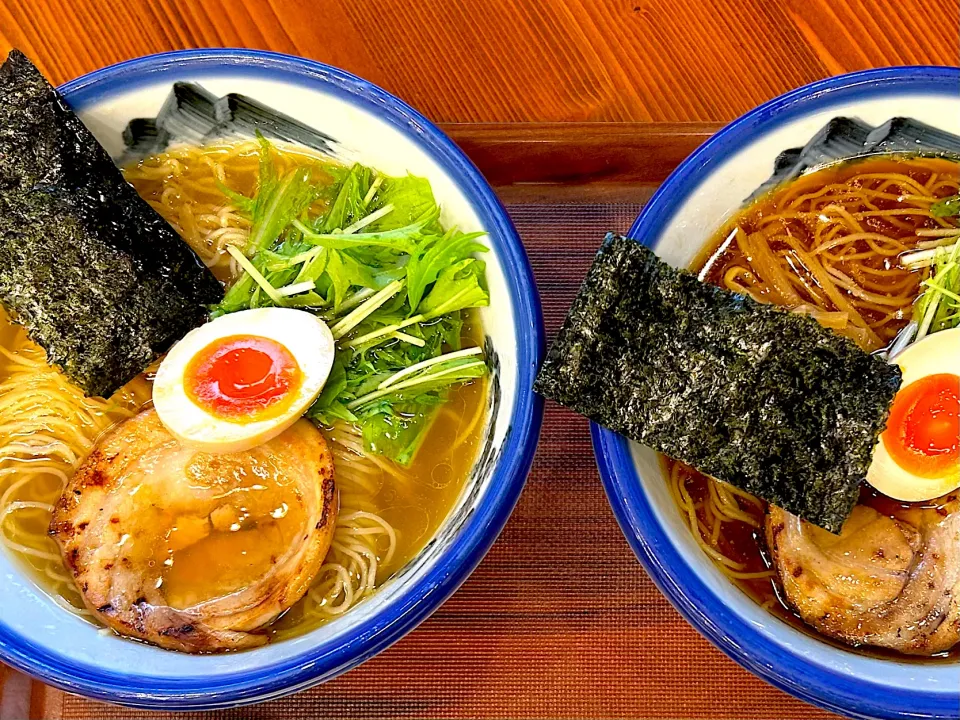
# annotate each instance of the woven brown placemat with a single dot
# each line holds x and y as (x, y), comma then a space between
(559, 620)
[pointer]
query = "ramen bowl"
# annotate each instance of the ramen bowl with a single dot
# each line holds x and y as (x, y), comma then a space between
(687, 211)
(370, 126)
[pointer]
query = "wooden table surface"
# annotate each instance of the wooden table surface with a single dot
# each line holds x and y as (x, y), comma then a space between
(518, 60)
(556, 100)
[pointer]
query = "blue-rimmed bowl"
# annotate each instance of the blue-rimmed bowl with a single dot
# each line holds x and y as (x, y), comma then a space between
(678, 221)
(374, 127)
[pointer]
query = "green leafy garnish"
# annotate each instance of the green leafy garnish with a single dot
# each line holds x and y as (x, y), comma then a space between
(401, 239)
(424, 375)
(350, 203)
(435, 254)
(279, 200)
(948, 207)
(458, 286)
(395, 415)
(368, 253)
(939, 306)
(410, 197)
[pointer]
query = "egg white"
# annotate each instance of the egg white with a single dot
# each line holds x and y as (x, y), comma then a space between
(935, 354)
(305, 336)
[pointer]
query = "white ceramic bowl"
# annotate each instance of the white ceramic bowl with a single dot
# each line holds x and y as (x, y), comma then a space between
(376, 128)
(679, 220)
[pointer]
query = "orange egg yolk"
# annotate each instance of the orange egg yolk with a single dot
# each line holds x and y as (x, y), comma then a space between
(243, 378)
(923, 431)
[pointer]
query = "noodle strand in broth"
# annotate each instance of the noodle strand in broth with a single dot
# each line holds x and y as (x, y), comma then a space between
(48, 428)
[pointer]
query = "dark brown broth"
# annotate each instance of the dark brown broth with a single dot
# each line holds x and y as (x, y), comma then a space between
(738, 540)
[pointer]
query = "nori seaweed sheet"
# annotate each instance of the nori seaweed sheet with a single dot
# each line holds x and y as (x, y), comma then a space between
(98, 278)
(767, 400)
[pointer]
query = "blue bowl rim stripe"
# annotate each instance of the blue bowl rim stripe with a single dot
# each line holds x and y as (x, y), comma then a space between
(690, 595)
(415, 603)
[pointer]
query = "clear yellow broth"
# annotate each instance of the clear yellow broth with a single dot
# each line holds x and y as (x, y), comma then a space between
(183, 186)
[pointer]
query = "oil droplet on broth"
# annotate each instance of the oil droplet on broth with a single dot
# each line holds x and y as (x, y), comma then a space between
(415, 520)
(417, 500)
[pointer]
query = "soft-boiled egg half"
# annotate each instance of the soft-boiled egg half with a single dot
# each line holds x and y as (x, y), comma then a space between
(243, 378)
(918, 455)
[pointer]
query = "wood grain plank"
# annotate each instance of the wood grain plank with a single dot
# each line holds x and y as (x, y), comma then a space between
(519, 60)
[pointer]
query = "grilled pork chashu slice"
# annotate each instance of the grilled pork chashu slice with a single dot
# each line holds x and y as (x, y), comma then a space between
(889, 579)
(193, 551)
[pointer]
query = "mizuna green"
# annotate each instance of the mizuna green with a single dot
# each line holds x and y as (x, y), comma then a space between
(378, 266)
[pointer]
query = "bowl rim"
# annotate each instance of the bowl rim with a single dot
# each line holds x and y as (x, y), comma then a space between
(787, 670)
(412, 604)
